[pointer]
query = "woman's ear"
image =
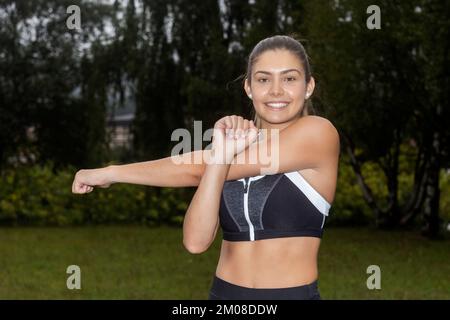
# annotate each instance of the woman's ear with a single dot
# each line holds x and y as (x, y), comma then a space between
(247, 88)
(310, 88)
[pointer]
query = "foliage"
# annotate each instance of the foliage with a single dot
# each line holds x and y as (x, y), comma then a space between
(36, 195)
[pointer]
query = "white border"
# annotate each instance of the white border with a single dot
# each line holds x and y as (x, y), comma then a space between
(315, 197)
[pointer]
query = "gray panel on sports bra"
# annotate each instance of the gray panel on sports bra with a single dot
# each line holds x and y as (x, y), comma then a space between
(233, 196)
(259, 192)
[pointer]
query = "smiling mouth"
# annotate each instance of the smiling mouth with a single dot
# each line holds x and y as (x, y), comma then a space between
(277, 105)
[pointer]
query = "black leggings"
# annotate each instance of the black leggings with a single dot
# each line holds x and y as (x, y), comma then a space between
(223, 290)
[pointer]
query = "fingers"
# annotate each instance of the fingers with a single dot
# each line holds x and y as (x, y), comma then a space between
(236, 126)
(235, 121)
(76, 187)
(252, 134)
(245, 132)
(229, 125)
(86, 189)
(81, 188)
(235, 131)
(229, 122)
(246, 125)
(240, 127)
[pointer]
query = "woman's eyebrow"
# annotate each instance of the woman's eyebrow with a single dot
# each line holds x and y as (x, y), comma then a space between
(282, 72)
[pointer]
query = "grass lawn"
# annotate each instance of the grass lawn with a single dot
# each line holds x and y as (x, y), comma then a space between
(133, 262)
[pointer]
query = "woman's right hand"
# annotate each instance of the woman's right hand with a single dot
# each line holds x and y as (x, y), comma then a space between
(86, 179)
(232, 134)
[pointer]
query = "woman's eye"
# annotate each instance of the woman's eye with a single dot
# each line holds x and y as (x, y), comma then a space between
(290, 78)
(262, 80)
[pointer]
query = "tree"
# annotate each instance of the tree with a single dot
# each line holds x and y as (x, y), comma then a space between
(379, 85)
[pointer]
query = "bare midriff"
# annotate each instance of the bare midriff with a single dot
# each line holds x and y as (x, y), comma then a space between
(269, 263)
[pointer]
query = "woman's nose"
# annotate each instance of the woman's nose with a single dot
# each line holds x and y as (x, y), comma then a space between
(276, 89)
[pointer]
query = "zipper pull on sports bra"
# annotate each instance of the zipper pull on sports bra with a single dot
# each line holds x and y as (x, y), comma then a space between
(246, 185)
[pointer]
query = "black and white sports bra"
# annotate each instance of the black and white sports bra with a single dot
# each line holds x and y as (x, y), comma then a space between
(271, 206)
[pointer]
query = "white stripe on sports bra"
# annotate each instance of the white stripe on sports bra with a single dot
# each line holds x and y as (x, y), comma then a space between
(316, 199)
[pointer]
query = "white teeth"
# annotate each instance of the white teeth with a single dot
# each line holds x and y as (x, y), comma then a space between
(277, 105)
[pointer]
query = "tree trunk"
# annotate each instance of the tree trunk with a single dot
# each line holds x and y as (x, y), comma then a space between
(432, 193)
(392, 211)
(367, 192)
(415, 202)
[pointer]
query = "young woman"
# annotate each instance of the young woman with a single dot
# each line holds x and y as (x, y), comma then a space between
(272, 219)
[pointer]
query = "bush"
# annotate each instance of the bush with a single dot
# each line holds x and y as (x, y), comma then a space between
(39, 195)
(349, 206)
(36, 195)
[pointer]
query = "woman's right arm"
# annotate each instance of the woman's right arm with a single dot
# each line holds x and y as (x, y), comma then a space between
(173, 171)
(183, 170)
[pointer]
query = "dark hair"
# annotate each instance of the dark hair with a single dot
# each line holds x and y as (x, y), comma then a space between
(281, 42)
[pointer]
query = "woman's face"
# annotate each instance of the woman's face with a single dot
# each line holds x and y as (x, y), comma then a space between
(278, 88)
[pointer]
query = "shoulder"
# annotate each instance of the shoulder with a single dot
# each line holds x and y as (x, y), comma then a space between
(315, 122)
(317, 128)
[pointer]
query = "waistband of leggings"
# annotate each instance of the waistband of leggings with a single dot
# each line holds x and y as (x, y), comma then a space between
(229, 290)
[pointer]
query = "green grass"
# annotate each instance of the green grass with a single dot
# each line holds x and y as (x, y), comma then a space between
(131, 262)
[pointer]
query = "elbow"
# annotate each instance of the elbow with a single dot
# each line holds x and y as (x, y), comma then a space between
(198, 173)
(194, 248)
(196, 180)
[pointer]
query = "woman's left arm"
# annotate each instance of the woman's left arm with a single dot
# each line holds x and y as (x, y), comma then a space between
(202, 217)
